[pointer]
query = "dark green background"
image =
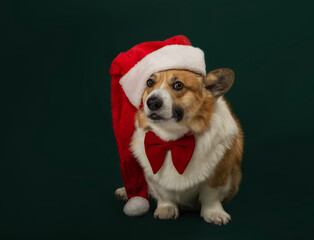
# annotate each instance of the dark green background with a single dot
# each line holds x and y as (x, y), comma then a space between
(59, 161)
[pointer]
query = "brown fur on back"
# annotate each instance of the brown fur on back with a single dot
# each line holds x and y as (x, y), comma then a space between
(229, 168)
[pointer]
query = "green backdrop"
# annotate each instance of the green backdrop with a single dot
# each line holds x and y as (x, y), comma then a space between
(59, 160)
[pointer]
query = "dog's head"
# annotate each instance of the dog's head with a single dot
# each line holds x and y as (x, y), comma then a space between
(184, 97)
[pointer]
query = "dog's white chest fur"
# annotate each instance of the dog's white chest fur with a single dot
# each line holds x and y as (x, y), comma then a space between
(210, 147)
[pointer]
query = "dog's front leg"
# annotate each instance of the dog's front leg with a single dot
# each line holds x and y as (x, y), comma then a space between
(212, 210)
(166, 210)
(166, 207)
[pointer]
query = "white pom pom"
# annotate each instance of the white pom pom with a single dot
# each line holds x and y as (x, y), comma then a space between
(136, 206)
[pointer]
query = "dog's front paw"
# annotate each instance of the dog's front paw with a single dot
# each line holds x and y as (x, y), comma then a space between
(166, 212)
(216, 216)
(120, 194)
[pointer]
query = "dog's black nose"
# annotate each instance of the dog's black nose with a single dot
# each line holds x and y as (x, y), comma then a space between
(154, 103)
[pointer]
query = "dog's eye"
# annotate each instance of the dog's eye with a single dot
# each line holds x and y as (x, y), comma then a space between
(150, 83)
(177, 86)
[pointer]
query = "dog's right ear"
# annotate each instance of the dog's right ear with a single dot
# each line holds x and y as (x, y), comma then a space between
(219, 81)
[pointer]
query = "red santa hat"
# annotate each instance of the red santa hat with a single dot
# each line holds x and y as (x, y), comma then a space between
(130, 71)
(136, 65)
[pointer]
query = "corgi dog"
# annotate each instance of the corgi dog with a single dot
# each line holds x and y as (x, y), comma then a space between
(180, 104)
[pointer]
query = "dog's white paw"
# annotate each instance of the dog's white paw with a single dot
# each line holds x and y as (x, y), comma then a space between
(166, 212)
(120, 194)
(216, 216)
(136, 206)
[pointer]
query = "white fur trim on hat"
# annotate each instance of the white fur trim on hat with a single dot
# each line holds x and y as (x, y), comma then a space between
(168, 57)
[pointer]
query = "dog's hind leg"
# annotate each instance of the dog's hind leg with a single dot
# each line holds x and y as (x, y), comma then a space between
(211, 207)
(120, 194)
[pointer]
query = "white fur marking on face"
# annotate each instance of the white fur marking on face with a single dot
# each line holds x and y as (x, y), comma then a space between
(163, 85)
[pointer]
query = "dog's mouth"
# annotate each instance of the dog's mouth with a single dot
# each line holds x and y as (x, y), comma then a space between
(177, 115)
(155, 116)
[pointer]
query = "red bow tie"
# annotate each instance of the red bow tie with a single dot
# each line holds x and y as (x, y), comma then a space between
(181, 151)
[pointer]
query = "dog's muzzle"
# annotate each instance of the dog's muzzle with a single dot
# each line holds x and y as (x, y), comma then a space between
(160, 106)
(154, 104)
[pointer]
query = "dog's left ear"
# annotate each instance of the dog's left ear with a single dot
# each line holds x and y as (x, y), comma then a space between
(219, 81)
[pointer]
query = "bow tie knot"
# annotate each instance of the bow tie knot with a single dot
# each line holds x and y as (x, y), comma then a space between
(181, 151)
(167, 146)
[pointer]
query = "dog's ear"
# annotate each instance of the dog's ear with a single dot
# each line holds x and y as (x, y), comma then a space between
(219, 81)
